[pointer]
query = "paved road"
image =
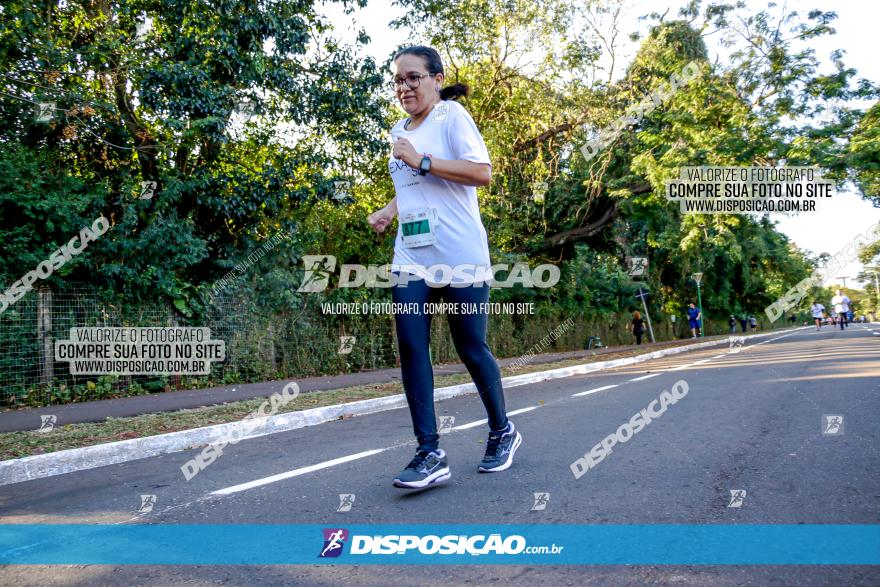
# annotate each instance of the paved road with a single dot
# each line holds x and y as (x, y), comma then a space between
(752, 420)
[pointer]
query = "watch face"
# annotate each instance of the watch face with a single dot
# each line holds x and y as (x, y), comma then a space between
(425, 165)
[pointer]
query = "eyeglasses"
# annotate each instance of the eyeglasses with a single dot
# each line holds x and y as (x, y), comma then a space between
(412, 81)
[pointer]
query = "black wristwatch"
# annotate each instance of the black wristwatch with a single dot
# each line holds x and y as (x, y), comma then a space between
(425, 165)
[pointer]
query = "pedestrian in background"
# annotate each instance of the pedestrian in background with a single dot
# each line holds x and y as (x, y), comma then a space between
(732, 323)
(638, 326)
(694, 317)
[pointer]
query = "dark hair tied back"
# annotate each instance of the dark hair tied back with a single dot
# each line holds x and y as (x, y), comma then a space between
(453, 92)
(434, 65)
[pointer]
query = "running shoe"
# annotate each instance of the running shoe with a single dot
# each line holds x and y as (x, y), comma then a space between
(500, 449)
(426, 468)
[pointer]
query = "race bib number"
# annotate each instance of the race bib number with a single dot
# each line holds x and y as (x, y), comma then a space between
(417, 228)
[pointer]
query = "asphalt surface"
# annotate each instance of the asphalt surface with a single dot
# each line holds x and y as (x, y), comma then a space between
(752, 420)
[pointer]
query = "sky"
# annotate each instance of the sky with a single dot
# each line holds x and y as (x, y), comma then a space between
(836, 221)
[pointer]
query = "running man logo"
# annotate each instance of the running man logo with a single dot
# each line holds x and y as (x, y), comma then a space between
(541, 501)
(832, 424)
(440, 111)
(148, 188)
(334, 541)
(446, 424)
(638, 266)
(143, 28)
(539, 189)
(346, 344)
(318, 270)
(147, 503)
(245, 108)
(737, 497)
(47, 423)
(340, 189)
(346, 501)
(736, 344)
(45, 111)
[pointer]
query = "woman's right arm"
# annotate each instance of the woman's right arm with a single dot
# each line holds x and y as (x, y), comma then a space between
(382, 218)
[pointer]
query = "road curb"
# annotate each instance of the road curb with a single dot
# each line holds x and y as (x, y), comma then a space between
(101, 455)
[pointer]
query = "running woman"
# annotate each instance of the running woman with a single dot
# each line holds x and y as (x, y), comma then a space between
(818, 311)
(438, 159)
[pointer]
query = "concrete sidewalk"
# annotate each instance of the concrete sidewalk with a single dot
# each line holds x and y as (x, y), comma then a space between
(170, 401)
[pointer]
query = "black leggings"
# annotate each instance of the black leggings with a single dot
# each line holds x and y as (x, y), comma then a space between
(469, 336)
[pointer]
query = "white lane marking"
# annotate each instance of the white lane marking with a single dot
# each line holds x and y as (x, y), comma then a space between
(680, 367)
(486, 421)
(719, 356)
(522, 411)
(598, 389)
(701, 362)
(295, 472)
(471, 425)
(643, 377)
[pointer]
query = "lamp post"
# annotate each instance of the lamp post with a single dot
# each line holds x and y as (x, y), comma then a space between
(642, 293)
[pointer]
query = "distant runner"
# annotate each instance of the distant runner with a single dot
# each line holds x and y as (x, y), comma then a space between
(841, 306)
(818, 312)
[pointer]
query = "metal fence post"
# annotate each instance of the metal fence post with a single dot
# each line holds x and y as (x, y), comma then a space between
(44, 335)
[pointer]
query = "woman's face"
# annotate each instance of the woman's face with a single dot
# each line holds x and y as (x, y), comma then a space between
(415, 101)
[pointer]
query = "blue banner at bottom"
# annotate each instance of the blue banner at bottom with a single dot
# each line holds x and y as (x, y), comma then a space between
(247, 544)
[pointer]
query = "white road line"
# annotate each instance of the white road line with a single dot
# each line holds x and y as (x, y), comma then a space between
(522, 411)
(598, 389)
(471, 425)
(486, 421)
(719, 356)
(643, 377)
(680, 367)
(295, 472)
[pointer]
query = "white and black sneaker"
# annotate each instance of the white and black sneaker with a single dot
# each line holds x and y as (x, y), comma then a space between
(500, 449)
(426, 468)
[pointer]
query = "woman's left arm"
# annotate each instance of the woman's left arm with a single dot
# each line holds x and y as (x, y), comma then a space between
(460, 171)
(457, 170)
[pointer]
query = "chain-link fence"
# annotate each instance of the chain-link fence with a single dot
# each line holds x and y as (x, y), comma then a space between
(260, 345)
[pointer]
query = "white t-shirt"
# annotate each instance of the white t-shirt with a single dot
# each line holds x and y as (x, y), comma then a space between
(448, 132)
(840, 303)
(817, 310)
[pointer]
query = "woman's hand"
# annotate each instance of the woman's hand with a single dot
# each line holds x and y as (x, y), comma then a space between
(381, 219)
(404, 150)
